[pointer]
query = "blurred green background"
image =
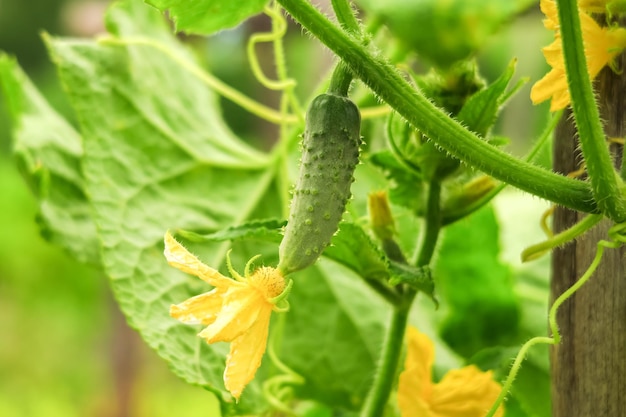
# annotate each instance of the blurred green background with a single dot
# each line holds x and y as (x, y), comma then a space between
(65, 349)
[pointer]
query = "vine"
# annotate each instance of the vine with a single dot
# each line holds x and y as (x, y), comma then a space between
(617, 236)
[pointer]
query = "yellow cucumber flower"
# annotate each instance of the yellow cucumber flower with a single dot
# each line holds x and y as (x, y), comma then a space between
(601, 45)
(236, 310)
(466, 392)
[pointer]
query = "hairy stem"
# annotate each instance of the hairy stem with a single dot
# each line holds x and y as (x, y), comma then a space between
(424, 116)
(345, 16)
(604, 179)
(432, 224)
(340, 81)
(386, 373)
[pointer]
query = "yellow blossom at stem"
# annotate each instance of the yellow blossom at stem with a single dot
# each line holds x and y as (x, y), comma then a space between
(236, 310)
(466, 392)
(601, 45)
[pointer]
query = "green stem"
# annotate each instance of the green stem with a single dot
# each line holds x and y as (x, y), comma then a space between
(279, 25)
(432, 224)
(386, 373)
(538, 250)
(279, 28)
(342, 77)
(424, 116)
(517, 363)
(604, 181)
(345, 16)
(601, 246)
(340, 80)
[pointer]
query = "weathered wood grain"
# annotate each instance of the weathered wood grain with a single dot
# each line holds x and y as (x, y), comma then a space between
(589, 366)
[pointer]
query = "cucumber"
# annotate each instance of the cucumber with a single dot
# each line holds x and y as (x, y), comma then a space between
(330, 153)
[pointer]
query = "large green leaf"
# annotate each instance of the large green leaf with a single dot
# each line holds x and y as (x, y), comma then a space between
(49, 151)
(156, 156)
(407, 187)
(204, 17)
(334, 334)
(475, 286)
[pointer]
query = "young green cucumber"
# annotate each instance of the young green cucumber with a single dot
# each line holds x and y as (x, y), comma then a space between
(330, 152)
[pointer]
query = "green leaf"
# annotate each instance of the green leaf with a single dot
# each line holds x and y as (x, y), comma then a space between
(354, 249)
(333, 335)
(351, 246)
(450, 88)
(204, 17)
(418, 278)
(475, 286)
(265, 230)
(480, 110)
(407, 188)
(157, 154)
(415, 154)
(403, 144)
(49, 151)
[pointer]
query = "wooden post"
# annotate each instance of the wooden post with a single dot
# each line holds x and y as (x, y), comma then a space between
(589, 366)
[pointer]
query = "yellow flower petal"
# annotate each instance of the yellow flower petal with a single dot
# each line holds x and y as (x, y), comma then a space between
(415, 385)
(420, 358)
(201, 309)
(601, 45)
(236, 311)
(466, 392)
(245, 355)
(241, 308)
(548, 8)
(550, 86)
(180, 258)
